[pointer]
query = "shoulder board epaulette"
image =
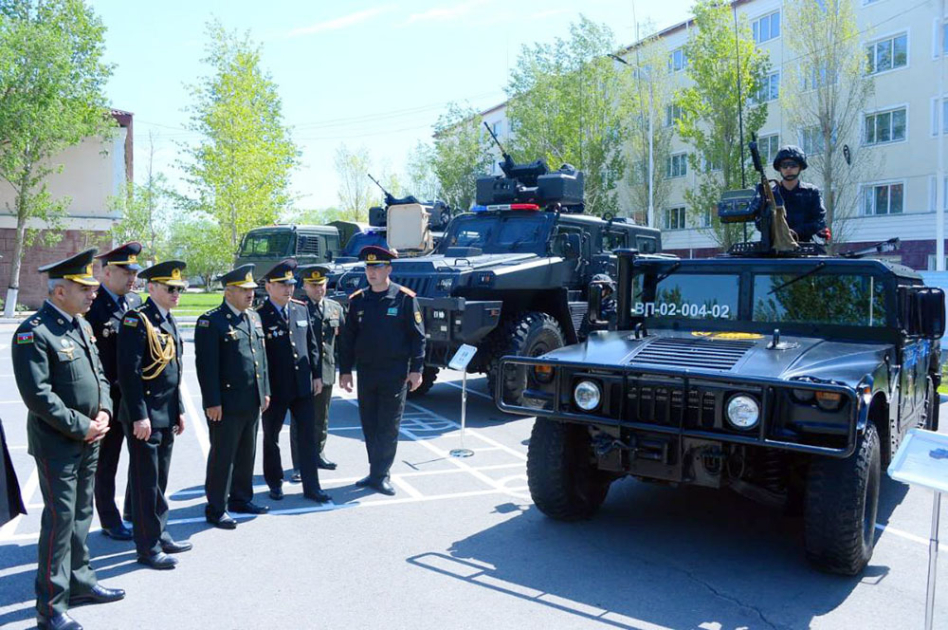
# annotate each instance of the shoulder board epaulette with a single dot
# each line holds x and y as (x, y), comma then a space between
(356, 293)
(295, 301)
(406, 291)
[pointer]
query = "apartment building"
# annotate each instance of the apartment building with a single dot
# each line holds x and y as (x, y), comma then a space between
(902, 125)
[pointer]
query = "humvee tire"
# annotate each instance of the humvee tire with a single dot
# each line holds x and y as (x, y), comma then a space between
(842, 499)
(563, 481)
(428, 377)
(528, 335)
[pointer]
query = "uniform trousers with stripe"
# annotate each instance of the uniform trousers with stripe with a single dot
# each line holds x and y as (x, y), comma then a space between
(150, 464)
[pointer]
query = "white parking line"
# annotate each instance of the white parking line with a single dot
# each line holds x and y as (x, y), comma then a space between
(8, 531)
(197, 420)
(409, 489)
(470, 391)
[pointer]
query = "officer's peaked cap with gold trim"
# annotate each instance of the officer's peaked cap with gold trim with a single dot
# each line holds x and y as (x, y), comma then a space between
(314, 274)
(168, 272)
(125, 255)
(77, 268)
(375, 255)
(241, 277)
(282, 272)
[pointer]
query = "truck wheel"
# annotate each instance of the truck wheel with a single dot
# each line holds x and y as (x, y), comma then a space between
(563, 481)
(428, 377)
(842, 499)
(529, 335)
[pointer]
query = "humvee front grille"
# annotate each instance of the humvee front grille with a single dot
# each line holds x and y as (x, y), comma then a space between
(693, 353)
(659, 404)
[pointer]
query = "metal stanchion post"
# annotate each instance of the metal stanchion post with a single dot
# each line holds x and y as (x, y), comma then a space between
(463, 452)
(932, 563)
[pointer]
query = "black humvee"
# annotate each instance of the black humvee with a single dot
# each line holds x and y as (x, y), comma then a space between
(791, 380)
(509, 281)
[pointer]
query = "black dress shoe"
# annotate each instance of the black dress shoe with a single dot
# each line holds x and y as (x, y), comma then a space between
(365, 482)
(385, 487)
(296, 477)
(62, 621)
(176, 547)
(325, 464)
(248, 508)
(119, 532)
(222, 521)
(160, 561)
(98, 595)
(276, 494)
(318, 496)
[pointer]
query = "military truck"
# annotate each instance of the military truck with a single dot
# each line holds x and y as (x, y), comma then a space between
(787, 376)
(308, 244)
(511, 277)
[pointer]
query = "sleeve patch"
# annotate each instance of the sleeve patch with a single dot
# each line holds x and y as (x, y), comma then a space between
(130, 320)
(418, 316)
(24, 337)
(204, 323)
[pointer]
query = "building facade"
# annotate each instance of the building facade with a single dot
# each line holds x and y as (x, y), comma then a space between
(92, 172)
(902, 126)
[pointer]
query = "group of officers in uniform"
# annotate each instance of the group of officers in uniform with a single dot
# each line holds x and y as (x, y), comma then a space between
(97, 367)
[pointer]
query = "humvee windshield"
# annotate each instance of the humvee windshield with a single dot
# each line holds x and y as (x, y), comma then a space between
(793, 298)
(498, 234)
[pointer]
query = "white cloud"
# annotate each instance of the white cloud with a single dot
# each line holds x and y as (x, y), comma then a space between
(446, 14)
(338, 23)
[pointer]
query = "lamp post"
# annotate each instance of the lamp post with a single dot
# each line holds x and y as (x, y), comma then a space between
(651, 145)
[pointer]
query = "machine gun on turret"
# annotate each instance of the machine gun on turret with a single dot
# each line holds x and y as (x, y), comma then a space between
(531, 185)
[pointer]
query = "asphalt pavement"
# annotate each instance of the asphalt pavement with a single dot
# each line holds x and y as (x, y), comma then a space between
(461, 545)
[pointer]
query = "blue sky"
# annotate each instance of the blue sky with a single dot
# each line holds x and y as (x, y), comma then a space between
(359, 73)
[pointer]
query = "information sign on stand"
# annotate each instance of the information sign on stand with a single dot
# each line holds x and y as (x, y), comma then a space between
(922, 460)
(459, 362)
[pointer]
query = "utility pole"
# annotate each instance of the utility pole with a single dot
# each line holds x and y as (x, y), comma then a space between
(650, 217)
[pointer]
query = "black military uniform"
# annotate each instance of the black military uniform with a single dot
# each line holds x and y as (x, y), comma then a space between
(105, 316)
(384, 339)
(11, 501)
(805, 212)
(292, 353)
(607, 306)
(150, 372)
(232, 370)
(59, 376)
(328, 318)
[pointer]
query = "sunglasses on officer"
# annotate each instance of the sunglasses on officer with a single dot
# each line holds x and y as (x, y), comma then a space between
(789, 164)
(173, 290)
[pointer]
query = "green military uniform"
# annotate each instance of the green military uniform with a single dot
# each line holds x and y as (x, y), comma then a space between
(232, 371)
(328, 319)
(60, 378)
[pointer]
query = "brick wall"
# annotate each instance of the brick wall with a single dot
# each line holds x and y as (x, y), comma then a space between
(33, 283)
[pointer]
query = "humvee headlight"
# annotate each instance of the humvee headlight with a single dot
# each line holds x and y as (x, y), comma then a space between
(444, 284)
(828, 401)
(803, 395)
(587, 395)
(543, 373)
(743, 411)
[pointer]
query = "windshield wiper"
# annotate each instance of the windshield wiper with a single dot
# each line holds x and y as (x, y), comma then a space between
(805, 274)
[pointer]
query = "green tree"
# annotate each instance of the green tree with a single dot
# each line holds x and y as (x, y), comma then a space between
(709, 108)
(239, 171)
(826, 86)
(145, 211)
(356, 190)
(421, 177)
(196, 239)
(52, 78)
(461, 154)
(566, 106)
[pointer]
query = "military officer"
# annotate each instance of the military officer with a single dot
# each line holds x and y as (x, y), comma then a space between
(58, 373)
(232, 370)
(384, 339)
(152, 411)
(11, 500)
(292, 355)
(119, 271)
(327, 317)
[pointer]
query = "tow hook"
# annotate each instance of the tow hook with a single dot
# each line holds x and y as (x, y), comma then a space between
(604, 444)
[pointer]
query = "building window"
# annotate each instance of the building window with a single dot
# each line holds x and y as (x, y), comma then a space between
(767, 28)
(675, 218)
(677, 60)
(498, 128)
(931, 262)
(712, 163)
(939, 115)
(816, 78)
(672, 114)
(882, 199)
(677, 165)
(769, 90)
(812, 140)
(768, 147)
(882, 127)
(933, 195)
(888, 54)
(706, 217)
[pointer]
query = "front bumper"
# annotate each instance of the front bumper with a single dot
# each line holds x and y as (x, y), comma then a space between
(451, 321)
(681, 403)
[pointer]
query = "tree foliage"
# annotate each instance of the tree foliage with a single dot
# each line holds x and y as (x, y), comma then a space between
(356, 190)
(52, 80)
(826, 86)
(421, 177)
(196, 239)
(239, 172)
(709, 109)
(461, 154)
(145, 211)
(566, 106)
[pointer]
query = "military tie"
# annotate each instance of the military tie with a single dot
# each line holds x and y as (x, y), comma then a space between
(123, 303)
(286, 314)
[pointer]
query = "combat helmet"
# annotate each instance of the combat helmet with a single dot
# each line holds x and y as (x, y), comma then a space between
(790, 152)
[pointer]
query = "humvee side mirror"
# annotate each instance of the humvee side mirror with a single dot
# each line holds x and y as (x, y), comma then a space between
(572, 246)
(930, 307)
(328, 256)
(594, 304)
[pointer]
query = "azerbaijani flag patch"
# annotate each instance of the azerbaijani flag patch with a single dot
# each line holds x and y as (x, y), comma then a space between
(24, 337)
(204, 323)
(130, 320)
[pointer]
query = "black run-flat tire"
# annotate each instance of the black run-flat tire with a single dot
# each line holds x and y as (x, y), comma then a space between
(529, 335)
(428, 377)
(563, 481)
(842, 501)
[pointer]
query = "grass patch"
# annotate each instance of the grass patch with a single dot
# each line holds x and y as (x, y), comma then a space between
(195, 303)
